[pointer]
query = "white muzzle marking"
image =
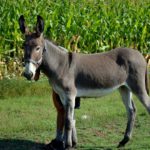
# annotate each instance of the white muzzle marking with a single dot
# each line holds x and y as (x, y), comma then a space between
(30, 68)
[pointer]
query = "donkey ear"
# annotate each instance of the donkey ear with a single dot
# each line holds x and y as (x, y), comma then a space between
(22, 24)
(39, 25)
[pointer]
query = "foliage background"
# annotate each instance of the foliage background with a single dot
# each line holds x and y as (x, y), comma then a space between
(79, 25)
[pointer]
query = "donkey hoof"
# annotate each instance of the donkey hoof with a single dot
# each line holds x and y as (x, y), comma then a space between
(55, 145)
(74, 145)
(123, 142)
(69, 148)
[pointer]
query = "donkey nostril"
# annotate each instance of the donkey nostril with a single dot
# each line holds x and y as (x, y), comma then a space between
(28, 75)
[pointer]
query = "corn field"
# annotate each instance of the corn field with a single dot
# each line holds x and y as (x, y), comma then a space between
(86, 26)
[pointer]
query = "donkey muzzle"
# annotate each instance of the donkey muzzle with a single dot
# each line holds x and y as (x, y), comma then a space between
(30, 70)
(28, 75)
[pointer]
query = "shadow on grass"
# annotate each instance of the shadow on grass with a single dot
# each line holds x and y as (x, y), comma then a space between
(94, 148)
(14, 144)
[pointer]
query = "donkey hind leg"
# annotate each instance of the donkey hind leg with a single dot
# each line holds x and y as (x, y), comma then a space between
(131, 112)
(145, 99)
(138, 87)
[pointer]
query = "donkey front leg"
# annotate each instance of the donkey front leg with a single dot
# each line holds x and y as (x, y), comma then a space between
(60, 116)
(69, 122)
(58, 143)
(74, 134)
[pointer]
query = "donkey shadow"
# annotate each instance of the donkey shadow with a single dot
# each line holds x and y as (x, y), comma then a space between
(16, 144)
(94, 148)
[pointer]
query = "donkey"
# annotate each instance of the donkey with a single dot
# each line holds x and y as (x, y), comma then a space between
(74, 75)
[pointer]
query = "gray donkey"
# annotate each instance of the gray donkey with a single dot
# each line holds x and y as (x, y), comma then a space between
(74, 75)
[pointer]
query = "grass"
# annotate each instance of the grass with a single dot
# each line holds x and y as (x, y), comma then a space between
(25, 119)
(21, 87)
(28, 122)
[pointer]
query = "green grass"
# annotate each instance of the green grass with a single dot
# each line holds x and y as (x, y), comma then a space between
(21, 87)
(28, 122)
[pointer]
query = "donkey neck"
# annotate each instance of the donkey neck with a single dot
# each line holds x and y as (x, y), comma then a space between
(54, 60)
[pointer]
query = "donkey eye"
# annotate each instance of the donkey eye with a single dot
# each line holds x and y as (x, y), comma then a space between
(38, 48)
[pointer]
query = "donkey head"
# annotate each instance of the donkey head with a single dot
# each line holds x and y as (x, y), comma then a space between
(33, 48)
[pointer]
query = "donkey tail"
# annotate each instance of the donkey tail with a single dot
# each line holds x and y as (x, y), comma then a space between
(147, 80)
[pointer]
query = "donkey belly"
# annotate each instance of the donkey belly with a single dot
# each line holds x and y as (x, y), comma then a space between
(96, 92)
